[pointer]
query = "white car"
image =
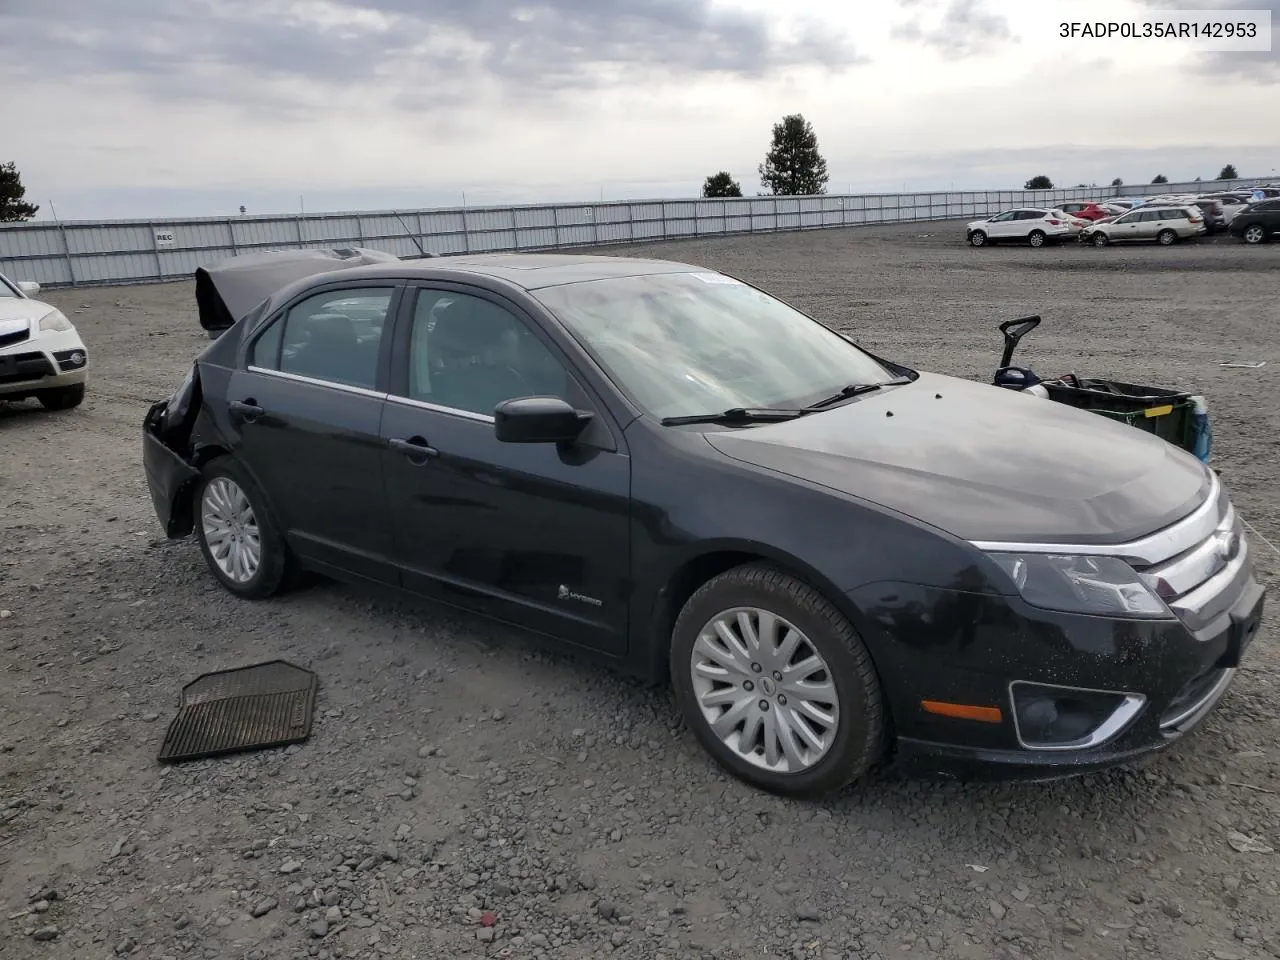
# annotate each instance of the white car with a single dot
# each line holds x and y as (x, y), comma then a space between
(1032, 225)
(41, 354)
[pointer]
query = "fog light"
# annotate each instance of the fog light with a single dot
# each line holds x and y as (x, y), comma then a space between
(70, 359)
(1049, 717)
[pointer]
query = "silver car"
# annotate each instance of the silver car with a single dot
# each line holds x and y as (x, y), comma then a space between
(1163, 223)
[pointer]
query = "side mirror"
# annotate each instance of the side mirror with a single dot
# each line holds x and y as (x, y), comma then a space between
(29, 287)
(538, 420)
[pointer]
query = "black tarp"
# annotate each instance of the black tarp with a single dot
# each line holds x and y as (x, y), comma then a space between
(231, 288)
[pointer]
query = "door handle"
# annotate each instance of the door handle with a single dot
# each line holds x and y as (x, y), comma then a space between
(247, 409)
(414, 448)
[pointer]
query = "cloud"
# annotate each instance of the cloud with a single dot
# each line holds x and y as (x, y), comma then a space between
(295, 53)
(965, 29)
(1258, 66)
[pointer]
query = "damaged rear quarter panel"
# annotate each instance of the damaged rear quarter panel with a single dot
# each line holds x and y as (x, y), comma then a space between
(179, 437)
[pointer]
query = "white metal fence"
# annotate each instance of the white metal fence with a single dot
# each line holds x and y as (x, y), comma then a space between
(128, 251)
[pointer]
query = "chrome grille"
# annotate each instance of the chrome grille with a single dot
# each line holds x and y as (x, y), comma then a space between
(1190, 579)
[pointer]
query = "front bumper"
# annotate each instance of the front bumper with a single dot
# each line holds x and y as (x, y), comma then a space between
(952, 647)
(44, 362)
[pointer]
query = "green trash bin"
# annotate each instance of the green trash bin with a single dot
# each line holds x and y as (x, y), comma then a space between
(1166, 413)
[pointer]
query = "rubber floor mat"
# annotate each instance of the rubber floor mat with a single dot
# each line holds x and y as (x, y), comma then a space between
(248, 708)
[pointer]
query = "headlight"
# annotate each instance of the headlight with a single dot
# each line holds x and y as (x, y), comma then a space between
(1103, 586)
(55, 322)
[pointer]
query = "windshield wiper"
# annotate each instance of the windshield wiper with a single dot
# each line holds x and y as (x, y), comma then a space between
(738, 415)
(856, 389)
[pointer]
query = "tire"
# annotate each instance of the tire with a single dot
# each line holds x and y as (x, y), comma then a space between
(1099, 239)
(1166, 238)
(1036, 238)
(62, 398)
(977, 239)
(852, 740)
(1254, 233)
(222, 484)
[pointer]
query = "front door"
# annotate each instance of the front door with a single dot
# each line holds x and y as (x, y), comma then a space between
(535, 534)
(1127, 227)
(306, 409)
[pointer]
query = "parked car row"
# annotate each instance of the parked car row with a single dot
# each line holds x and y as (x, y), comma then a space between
(1252, 216)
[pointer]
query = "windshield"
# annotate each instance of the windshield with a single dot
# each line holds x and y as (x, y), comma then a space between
(683, 344)
(7, 289)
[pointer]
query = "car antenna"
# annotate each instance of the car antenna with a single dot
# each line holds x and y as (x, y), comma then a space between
(409, 234)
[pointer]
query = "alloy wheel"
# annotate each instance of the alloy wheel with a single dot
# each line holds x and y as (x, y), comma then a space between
(231, 529)
(765, 690)
(1253, 234)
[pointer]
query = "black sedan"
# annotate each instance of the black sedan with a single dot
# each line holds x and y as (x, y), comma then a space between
(1258, 222)
(838, 560)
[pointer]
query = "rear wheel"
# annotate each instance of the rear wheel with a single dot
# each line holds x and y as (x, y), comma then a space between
(238, 536)
(1036, 238)
(1254, 233)
(62, 398)
(775, 683)
(1166, 237)
(977, 238)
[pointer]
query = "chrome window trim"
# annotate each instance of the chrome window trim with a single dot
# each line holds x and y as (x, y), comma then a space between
(1109, 729)
(1157, 547)
(437, 408)
(313, 381)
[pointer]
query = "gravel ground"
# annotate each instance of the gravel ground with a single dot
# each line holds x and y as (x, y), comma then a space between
(466, 793)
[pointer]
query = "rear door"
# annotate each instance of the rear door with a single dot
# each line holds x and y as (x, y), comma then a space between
(306, 409)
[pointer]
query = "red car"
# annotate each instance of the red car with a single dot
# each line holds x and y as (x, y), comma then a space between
(1085, 211)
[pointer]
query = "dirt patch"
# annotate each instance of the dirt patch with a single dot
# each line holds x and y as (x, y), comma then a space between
(460, 774)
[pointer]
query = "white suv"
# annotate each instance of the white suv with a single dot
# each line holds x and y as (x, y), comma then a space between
(41, 354)
(1033, 225)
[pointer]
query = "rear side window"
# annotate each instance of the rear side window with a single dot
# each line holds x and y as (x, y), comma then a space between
(333, 336)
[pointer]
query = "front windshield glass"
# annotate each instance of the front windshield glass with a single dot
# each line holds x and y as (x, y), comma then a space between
(684, 344)
(6, 288)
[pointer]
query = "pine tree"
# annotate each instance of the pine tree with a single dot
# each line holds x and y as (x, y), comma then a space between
(793, 166)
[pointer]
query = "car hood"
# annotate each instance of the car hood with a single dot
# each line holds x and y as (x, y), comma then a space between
(14, 310)
(984, 463)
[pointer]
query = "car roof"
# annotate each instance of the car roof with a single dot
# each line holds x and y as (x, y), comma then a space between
(530, 271)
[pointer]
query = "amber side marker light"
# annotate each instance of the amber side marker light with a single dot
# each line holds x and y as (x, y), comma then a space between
(963, 711)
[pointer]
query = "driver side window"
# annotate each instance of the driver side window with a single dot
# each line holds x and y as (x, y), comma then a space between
(468, 353)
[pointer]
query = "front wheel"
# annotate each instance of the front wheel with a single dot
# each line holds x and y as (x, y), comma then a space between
(776, 684)
(1100, 240)
(977, 238)
(1166, 237)
(1036, 238)
(238, 536)
(1254, 233)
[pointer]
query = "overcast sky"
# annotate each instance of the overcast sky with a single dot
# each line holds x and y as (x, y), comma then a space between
(192, 107)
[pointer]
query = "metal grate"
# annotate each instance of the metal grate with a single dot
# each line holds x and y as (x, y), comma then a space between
(249, 708)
